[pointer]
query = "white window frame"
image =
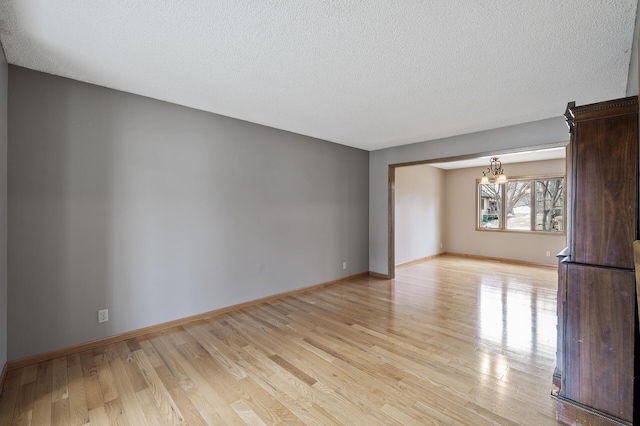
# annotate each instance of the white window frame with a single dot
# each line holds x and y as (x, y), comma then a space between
(502, 211)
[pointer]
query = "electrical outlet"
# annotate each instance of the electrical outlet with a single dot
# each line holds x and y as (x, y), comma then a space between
(548, 253)
(103, 315)
(344, 265)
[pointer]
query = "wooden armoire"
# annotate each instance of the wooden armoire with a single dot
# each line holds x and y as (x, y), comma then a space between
(597, 327)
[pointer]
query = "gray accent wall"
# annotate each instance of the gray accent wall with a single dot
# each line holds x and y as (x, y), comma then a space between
(634, 75)
(534, 134)
(4, 76)
(158, 212)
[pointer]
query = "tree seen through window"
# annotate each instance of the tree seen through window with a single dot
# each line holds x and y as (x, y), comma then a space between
(535, 204)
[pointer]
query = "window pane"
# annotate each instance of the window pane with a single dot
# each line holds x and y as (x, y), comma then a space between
(490, 205)
(519, 205)
(549, 208)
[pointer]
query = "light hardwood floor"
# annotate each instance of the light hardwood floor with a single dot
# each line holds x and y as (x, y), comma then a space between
(449, 341)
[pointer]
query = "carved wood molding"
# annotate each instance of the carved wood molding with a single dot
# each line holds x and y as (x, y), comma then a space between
(574, 113)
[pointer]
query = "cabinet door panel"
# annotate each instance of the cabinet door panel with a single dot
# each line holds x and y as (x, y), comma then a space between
(599, 339)
(604, 191)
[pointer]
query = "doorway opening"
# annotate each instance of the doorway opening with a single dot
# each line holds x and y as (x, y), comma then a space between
(437, 241)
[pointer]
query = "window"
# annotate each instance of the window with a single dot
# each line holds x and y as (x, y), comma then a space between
(522, 204)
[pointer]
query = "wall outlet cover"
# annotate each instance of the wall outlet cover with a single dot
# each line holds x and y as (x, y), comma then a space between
(103, 315)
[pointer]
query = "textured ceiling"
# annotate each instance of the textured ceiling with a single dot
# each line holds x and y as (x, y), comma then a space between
(506, 159)
(369, 74)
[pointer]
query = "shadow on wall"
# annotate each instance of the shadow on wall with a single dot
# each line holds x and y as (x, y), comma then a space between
(158, 212)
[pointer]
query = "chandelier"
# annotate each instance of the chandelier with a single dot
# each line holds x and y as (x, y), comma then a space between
(494, 171)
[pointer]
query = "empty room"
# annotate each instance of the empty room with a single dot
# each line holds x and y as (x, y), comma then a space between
(263, 213)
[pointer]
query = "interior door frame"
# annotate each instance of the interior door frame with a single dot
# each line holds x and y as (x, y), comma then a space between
(391, 189)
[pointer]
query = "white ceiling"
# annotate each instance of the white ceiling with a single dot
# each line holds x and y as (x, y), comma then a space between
(369, 74)
(511, 158)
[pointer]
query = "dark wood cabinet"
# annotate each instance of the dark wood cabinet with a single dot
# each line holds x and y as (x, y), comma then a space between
(599, 338)
(604, 156)
(594, 379)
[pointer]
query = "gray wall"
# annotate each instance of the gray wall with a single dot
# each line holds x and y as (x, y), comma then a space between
(157, 211)
(634, 75)
(4, 75)
(552, 131)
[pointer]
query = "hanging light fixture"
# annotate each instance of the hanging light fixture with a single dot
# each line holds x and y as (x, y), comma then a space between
(494, 171)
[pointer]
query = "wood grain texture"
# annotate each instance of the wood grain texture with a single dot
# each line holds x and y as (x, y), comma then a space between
(604, 183)
(501, 260)
(597, 333)
(101, 343)
(378, 275)
(572, 413)
(599, 339)
(416, 261)
(452, 341)
(636, 260)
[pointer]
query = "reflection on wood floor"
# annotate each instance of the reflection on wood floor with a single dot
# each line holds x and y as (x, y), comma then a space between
(449, 341)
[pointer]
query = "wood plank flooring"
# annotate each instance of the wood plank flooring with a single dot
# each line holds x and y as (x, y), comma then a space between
(451, 341)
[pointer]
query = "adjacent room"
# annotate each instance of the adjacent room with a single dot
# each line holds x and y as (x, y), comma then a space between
(437, 209)
(251, 212)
